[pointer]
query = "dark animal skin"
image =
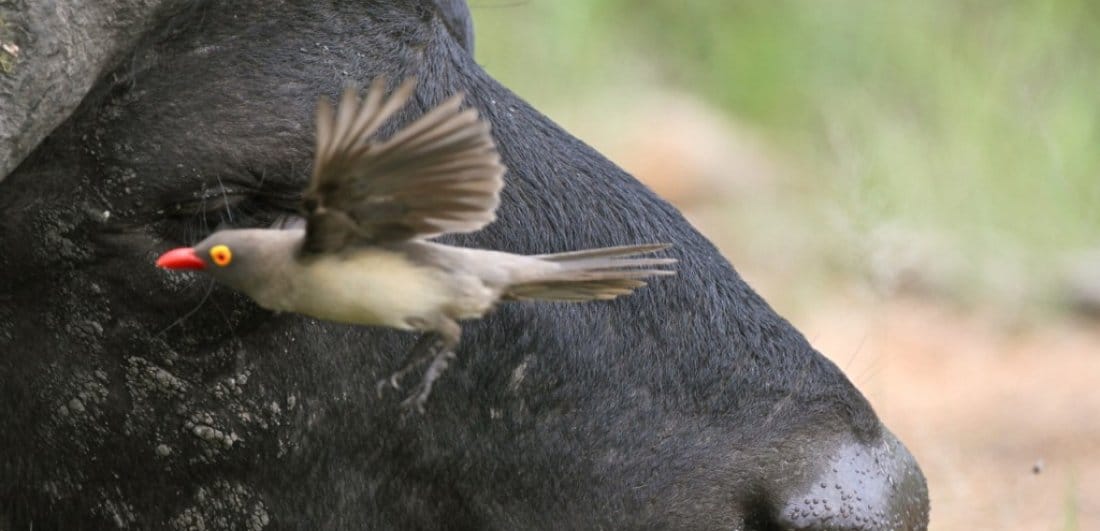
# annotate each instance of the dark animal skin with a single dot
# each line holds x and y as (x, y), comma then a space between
(137, 399)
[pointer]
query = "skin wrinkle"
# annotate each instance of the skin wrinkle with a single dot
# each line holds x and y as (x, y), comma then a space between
(632, 413)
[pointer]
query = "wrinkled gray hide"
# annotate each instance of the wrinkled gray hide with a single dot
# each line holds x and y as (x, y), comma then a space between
(133, 398)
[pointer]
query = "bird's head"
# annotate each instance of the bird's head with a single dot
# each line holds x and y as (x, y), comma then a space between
(237, 258)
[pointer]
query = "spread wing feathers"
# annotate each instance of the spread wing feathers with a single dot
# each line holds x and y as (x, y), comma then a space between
(440, 174)
(600, 274)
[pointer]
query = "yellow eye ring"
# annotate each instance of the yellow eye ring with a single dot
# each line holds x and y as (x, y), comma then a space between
(221, 255)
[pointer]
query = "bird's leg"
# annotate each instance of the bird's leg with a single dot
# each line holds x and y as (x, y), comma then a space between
(449, 333)
(424, 350)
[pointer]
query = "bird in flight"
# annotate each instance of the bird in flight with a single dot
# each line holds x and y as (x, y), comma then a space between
(365, 254)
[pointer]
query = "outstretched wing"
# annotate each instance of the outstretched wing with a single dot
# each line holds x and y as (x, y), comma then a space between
(440, 174)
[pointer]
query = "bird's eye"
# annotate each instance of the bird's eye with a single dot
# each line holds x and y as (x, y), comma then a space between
(221, 255)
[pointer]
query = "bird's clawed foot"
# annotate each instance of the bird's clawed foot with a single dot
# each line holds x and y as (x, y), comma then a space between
(423, 351)
(424, 389)
(436, 348)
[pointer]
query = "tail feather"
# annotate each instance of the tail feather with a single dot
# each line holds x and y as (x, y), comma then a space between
(621, 250)
(593, 274)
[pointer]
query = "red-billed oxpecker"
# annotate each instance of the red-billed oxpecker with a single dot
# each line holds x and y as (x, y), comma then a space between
(364, 256)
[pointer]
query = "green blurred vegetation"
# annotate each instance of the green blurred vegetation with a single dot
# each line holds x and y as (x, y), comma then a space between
(976, 121)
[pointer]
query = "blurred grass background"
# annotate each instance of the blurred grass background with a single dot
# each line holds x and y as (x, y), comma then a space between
(948, 146)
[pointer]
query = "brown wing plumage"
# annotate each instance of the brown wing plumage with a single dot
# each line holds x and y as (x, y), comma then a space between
(440, 174)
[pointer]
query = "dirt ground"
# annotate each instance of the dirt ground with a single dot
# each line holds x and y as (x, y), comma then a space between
(1005, 422)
